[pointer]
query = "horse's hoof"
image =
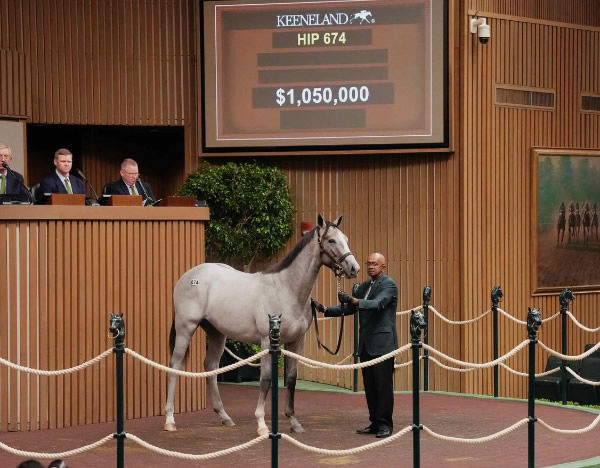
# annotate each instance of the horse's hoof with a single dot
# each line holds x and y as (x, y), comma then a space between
(227, 422)
(169, 427)
(297, 429)
(262, 431)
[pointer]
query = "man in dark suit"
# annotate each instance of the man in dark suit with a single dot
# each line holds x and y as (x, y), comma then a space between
(11, 182)
(130, 183)
(375, 300)
(61, 181)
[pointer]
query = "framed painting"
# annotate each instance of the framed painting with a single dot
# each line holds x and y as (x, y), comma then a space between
(565, 211)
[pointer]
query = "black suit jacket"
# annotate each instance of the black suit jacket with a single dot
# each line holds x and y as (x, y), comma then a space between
(377, 315)
(53, 184)
(15, 184)
(118, 187)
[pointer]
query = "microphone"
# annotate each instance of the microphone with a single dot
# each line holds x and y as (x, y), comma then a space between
(84, 178)
(10, 171)
(147, 199)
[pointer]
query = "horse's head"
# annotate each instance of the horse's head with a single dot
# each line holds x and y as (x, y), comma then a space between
(417, 323)
(565, 296)
(117, 325)
(335, 252)
(534, 321)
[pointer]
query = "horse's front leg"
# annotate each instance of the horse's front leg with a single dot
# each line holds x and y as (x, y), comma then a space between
(265, 385)
(290, 380)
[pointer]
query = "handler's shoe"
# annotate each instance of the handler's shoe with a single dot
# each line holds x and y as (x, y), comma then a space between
(367, 430)
(383, 432)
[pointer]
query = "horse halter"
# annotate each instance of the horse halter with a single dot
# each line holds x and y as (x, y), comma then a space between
(337, 268)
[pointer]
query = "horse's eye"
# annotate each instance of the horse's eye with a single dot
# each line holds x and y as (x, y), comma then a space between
(331, 241)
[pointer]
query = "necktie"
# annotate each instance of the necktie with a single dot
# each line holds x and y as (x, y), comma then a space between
(3, 184)
(132, 190)
(68, 185)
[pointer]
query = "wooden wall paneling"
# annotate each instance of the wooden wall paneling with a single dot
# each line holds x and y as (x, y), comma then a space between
(14, 376)
(4, 332)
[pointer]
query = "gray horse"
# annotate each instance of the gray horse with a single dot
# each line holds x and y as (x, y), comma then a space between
(229, 303)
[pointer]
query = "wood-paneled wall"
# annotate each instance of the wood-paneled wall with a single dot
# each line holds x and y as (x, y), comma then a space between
(550, 45)
(101, 62)
(61, 279)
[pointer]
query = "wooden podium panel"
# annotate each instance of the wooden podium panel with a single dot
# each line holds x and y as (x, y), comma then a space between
(124, 200)
(65, 269)
(178, 201)
(66, 199)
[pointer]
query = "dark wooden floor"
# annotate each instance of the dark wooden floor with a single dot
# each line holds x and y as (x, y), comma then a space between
(330, 420)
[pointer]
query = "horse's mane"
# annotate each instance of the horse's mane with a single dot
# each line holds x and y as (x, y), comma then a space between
(289, 258)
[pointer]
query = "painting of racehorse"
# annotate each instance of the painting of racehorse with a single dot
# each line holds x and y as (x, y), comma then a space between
(566, 204)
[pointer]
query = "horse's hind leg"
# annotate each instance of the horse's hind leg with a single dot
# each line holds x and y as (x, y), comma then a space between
(214, 349)
(182, 339)
(290, 379)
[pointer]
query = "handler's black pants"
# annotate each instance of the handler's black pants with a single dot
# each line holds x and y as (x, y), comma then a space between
(379, 390)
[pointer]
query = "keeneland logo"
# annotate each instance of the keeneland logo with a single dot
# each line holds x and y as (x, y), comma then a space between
(327, 19)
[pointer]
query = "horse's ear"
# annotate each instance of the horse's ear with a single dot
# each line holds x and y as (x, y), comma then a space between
(320, 221)
(338, 221)
(121, 315)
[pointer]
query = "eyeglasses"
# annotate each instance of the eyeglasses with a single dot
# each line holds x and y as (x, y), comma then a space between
(131, 173)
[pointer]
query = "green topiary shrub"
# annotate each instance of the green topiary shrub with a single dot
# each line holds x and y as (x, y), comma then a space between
(251, 210)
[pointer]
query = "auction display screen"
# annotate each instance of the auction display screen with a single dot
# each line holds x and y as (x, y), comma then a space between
(323, 73)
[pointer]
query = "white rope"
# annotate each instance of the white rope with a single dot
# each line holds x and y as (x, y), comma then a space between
(588, 428)
(478, 440)
(520, 322)
(404, 364)
(567, 357)
(235, 356)
(551, 318)
(459, 322)
(404, 312)
(360, 365)
(352, 451)
(69, 453)
(197, 374)
(594, 383)
(526, 374)
(591, 330)
(456, 369)
(471, 364)
(60, 371)
(201, 457)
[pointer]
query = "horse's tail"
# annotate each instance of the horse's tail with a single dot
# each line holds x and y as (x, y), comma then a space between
(172, 337)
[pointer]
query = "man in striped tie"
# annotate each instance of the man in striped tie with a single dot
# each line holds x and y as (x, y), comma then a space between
(61, 180)
(130, 183)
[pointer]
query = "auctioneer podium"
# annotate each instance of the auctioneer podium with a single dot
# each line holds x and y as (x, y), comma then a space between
(65, 270)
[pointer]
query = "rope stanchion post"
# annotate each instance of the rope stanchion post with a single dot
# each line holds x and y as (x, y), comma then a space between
(117, 328)
(417, 322)
(534, 320)
(565, 296)
(496, 296)
(275, 352)
(355, 353)
(426, 299)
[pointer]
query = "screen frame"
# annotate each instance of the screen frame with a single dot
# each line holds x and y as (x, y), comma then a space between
(440, 145)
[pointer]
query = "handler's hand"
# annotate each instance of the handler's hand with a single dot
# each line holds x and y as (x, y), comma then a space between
(317, 306)
(345, 298)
